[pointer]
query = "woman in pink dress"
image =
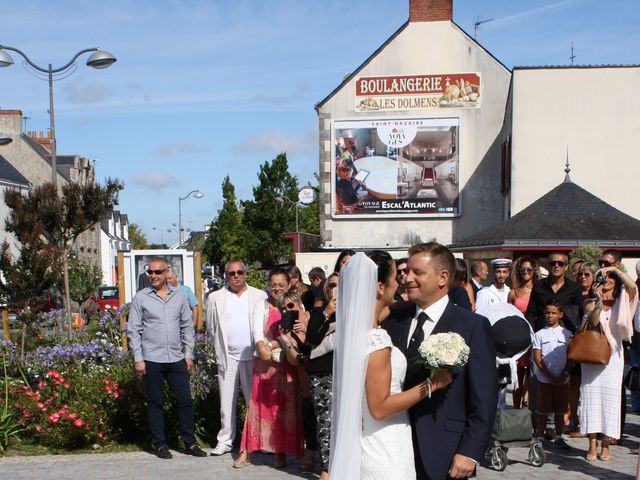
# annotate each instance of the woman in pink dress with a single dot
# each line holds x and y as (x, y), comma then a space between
(525, 273)
(273, 422)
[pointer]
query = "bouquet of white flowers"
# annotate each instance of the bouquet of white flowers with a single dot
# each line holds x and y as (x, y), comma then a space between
(444, 350)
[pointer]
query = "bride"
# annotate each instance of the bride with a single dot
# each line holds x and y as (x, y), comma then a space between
(371, 433)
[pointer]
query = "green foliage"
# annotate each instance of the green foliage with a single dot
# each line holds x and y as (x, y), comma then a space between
(10, 424)
(586, 253)
(60, 216)
(137, 237)
(265, 218)
(257, 278)
(227, 235)
(84, 279)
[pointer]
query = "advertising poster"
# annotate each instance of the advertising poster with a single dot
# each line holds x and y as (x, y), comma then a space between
(396, 167)
(417, 92)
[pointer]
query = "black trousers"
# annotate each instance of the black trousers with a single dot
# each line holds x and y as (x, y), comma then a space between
(177, 377)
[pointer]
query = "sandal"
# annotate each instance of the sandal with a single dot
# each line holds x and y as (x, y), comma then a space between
(591, 457)
(242, 461)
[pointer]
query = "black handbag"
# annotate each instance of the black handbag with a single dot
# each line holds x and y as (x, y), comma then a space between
(632, 379)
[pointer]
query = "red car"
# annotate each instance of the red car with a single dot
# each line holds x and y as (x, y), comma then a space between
(108, 297)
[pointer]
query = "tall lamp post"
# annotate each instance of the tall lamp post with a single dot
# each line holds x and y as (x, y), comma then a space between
(196, 194)
(161, 236)
(99, 59)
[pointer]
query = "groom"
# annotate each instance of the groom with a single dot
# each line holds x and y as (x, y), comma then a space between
(451, 429)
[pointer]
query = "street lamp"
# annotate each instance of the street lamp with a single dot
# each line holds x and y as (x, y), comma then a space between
(4, 140)
(196, 194)
(161, 237)
(99, 59)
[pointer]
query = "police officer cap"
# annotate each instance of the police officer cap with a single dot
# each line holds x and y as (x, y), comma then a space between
(501, 262)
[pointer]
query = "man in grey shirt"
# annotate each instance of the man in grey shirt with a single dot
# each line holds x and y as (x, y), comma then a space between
(161, 337)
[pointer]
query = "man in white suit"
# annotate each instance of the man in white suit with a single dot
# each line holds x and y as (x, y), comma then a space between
(233, 314)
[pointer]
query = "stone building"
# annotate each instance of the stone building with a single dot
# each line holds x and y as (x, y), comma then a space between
(433, 138)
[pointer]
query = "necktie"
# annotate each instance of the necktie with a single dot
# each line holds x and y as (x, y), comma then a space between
(418, 334)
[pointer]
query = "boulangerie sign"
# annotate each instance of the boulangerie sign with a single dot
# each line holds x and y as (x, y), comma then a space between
(417, 92)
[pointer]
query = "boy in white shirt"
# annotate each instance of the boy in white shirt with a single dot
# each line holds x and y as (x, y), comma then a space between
(550, 354)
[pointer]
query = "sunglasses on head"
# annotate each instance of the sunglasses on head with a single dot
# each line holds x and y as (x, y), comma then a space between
(526, 270)
(156, 272)
(233, 273)
(557, 263)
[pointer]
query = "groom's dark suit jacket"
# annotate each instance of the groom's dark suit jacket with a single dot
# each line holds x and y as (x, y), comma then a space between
(458, 418)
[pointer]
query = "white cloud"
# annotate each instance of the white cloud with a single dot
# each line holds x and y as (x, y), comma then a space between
(82, 94)
(275, 141)
(181, 147)
(520, 16)
(155, 180)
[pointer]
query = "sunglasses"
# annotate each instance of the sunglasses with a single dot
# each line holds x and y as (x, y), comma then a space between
(332, 285)
(605, 263)
(403, 271)
(290, 306)
(156, 272)
(557, 263)
(233, 273)
(526, 270)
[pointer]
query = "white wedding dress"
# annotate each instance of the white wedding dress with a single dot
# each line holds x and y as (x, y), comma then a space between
(387, 448)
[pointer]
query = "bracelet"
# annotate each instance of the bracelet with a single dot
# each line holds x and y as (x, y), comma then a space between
(598, 304)
(429, 387)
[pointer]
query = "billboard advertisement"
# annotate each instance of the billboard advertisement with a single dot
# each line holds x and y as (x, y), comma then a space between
(417, 92)
(402, 167)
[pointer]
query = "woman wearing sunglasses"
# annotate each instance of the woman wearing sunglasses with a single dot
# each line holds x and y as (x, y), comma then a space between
(524, 274)
(612, 307)
(273, 421)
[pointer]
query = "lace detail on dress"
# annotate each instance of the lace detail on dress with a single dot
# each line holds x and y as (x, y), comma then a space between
(379, 339)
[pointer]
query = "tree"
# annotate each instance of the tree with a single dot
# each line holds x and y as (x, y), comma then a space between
(84, 279)
(226, 237)
(25, 278)
(586, 253)
(265, 219)
(137, 237)
(61, 217)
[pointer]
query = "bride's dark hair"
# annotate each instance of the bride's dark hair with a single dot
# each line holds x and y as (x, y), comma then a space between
(384, 263)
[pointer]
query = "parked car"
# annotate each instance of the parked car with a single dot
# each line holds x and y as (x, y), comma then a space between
(108, 297)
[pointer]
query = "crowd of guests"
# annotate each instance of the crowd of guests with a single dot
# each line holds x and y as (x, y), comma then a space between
(276, 347)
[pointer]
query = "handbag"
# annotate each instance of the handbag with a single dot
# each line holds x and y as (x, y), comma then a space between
(512, 425)
(632, 379)
(589, 346)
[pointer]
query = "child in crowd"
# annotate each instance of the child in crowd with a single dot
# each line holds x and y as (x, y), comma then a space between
(550, 354)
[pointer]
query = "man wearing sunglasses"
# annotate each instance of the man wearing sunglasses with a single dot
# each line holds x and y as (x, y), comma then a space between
(161, 337)
(234, 317)
(555, 286)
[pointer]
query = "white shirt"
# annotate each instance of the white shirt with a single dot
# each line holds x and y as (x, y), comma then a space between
(434, 312)
(491, 295)
(236, 312)
(552, 342)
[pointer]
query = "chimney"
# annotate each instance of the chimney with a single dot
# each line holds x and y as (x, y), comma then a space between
(430, 10)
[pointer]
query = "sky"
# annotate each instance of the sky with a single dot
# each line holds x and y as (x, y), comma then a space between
(208, 88)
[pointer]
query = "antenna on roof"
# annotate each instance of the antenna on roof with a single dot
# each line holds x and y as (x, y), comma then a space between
(567, 169)
(572, 56)
(24, 119)
(476, 25)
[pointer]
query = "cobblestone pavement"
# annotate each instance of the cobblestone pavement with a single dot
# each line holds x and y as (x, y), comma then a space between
(141, 465)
